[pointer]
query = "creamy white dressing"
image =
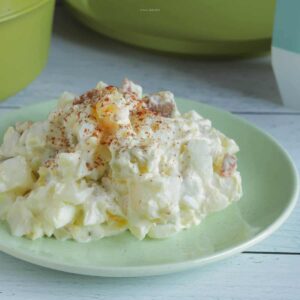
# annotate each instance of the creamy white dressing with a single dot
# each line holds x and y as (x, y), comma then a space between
(111, 161)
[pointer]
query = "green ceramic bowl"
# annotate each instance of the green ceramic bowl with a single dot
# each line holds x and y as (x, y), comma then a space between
(25, 30)
(207, 27)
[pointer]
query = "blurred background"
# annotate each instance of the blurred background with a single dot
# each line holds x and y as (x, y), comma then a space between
(203, 50)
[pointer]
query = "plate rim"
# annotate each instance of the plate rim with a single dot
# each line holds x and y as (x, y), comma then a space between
(160, 269)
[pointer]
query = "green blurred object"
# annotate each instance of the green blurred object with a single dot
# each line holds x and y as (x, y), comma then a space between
(270, 187)
(197, 27)
(25, 30)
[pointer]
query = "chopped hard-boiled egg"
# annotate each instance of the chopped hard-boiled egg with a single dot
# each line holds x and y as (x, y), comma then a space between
(112, 160)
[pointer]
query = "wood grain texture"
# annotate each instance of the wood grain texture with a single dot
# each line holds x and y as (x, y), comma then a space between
(247, 277)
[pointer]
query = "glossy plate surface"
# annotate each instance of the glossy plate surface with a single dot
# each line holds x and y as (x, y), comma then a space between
(270, 184)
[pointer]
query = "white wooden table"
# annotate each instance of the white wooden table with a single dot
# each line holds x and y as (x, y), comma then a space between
(78, 59)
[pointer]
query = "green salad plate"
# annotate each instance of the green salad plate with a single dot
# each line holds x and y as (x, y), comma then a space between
(270, 184)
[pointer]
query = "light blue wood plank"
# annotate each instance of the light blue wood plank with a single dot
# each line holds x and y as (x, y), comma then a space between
(79, 58)
(5, 110)
(244, 277)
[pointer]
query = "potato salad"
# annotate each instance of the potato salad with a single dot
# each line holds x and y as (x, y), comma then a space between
(111, 160)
